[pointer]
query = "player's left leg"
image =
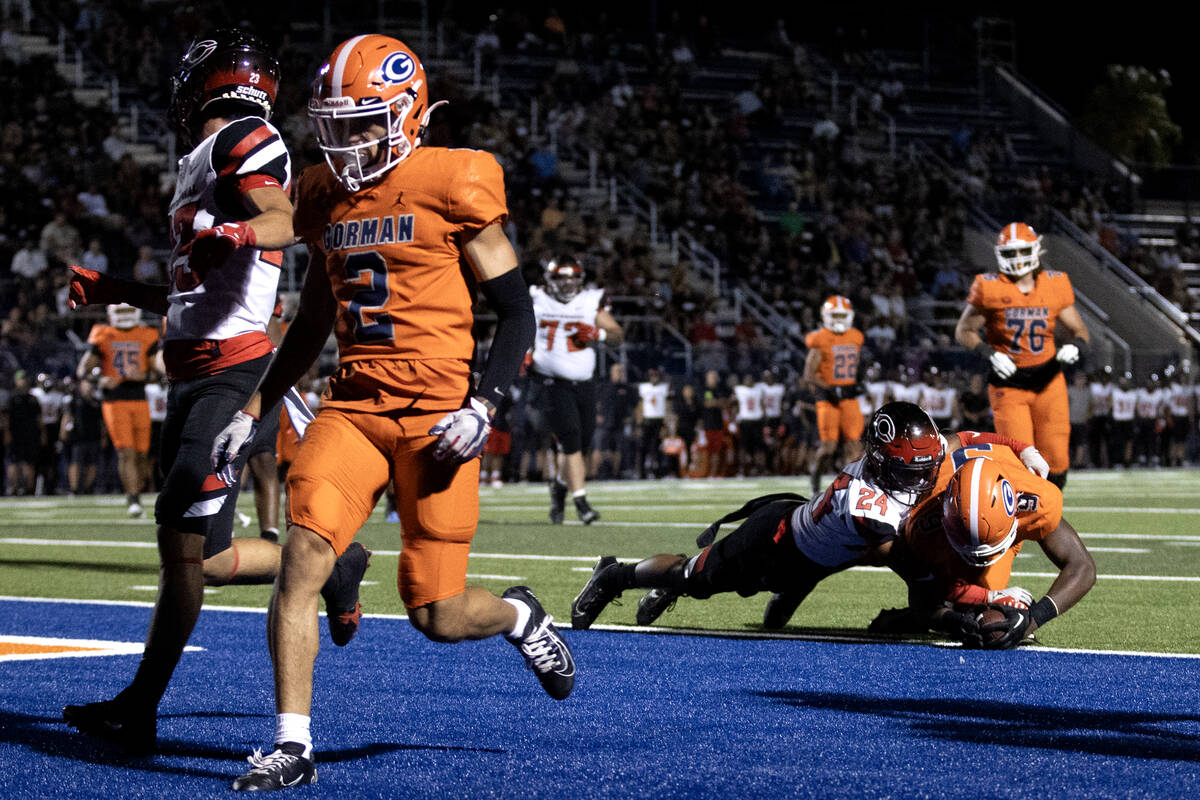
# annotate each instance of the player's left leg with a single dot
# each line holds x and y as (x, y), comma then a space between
(1012, 412)
(1050, 412)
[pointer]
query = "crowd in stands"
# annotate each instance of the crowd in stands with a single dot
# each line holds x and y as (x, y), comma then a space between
(790, 197)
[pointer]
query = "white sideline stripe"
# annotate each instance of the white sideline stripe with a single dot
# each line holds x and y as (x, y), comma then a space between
(498, 577)
(1118, 550)
(593, 559)
(718, 634)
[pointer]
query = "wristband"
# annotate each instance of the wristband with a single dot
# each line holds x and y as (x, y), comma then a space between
(1043, 611)
(983, 349)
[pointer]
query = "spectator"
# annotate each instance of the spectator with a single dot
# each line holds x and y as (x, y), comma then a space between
(146, 268)
(81, 435)
(115, 146)
(60, 241)
(29, 262)
(93, 202)
(94, 258)
(22, 436)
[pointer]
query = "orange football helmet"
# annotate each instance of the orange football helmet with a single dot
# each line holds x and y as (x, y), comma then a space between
(369, 80)
(837, 314)
(979, 512)
(1018, 249)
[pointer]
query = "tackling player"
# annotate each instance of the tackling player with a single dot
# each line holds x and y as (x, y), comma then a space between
(389, 225)
(831, 368)
(228, 219)
(124, 350)
(1019, 307)
(569, 318)
(957, 549)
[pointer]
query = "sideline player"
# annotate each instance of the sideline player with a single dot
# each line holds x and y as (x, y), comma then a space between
(831, 368)
(124, 350)
(229, 216)
(389, 224)
(1020, 307)
(569, 319)
(960, 542)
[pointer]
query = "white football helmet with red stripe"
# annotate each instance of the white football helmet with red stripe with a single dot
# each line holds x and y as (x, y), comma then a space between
(369, 81)
(837, 314)
(1018, 249)
(979, 512)
(124, 316)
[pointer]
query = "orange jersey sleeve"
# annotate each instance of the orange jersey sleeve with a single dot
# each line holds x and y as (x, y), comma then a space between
(1022, 325)
(839, 354)
(393, 251)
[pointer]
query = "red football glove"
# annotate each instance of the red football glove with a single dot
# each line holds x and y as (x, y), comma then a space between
(89, 288)
(585, 333)
(212, 246)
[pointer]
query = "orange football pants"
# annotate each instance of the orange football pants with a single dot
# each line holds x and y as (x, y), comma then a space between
(844, 419)
(343, 467)
(128, 423)
(1040, 418)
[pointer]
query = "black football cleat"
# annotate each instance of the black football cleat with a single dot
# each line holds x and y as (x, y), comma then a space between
(282, 769)
(545, 650)
(558, 502)
(587, 514)
(118, 722)
(594, 596)
(780, 609)
(654, 604)
(342, 609)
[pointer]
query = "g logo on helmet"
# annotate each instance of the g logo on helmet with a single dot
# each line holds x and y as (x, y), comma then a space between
(1009, 497)
(398, 67)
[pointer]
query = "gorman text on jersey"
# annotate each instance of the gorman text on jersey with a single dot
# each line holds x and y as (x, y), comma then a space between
(368, 232)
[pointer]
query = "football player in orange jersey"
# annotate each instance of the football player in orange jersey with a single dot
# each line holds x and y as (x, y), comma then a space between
(123, 351)
(390, 225)
(1020, 308)
(831, 368)
(957, 548)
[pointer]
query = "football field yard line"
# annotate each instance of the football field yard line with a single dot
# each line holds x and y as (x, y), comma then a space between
(837, 638)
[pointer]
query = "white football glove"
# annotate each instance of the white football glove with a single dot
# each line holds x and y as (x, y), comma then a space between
(462, 433)
(1003, 364)
(1068, 353)
(1010, 596)
(1034, 462)
(230, 442)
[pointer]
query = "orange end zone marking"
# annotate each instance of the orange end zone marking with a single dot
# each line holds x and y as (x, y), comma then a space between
(20, 648)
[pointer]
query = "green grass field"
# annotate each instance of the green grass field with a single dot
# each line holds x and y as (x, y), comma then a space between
(1143, 528)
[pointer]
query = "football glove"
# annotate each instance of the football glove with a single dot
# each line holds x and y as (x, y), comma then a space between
(211, 247)
(89, 288)
(1034, 461)
(462, 433)
(1068, 353)
(1013, 596)
(230, 442)
(1012, 628)
(962, 625)
(1002, 364)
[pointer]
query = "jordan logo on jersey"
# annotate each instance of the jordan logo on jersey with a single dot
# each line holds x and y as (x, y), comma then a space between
(368, 232)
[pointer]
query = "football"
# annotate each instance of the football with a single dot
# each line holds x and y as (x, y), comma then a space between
(989, 616)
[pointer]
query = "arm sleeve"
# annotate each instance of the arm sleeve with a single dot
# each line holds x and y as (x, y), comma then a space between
(515, 327)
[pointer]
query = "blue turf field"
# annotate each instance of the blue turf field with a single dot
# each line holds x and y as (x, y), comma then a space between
(652, 716)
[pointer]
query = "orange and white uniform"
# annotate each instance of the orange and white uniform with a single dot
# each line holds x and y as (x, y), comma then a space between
(839, 368)
(124, 356)
(1032, 404)
(1039, 509)
(403, 327)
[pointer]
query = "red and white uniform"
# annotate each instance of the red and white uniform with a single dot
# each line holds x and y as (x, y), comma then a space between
(232, 303)
(852, 515)
(555, 352)
(654, 399)
(772, 399)
(749, 400)
(939, 403)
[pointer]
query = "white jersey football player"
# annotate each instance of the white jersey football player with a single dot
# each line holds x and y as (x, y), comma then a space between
(787, 545)
(570, 319)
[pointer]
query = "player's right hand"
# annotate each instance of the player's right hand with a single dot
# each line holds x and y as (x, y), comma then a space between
(230, 442)
(584, 333)
(1002, 364)
(89, 287)
(211, 247)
